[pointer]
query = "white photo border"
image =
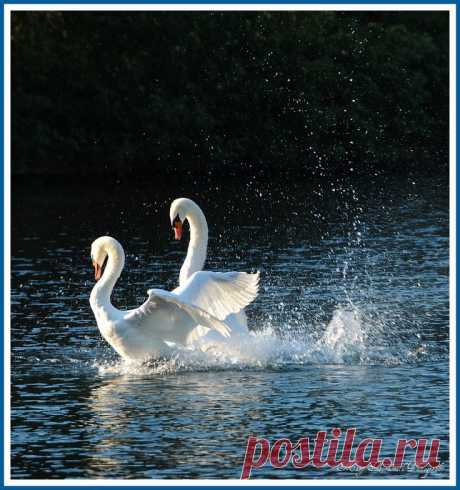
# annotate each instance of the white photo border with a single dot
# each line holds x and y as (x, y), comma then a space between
(7, 10)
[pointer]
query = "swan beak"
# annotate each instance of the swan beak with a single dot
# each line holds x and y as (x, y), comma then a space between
(177, 230)
(97, 270)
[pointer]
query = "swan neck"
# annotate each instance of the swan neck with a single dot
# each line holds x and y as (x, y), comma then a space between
(102, 290)
(197, 247)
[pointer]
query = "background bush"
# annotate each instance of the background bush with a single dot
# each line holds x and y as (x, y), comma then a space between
(142, 93)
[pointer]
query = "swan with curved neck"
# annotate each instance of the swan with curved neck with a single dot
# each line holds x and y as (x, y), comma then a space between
(184, 209)
(165, 316)
(181, 210)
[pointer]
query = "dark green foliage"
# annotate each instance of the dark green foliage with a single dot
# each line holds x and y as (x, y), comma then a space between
(147, 92)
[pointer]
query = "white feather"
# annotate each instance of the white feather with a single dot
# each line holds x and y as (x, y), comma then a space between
(220, 293)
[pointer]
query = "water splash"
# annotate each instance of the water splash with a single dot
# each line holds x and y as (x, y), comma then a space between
(349, 338)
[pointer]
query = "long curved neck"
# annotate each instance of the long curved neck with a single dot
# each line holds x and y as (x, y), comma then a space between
(197, 247)
(100, 295)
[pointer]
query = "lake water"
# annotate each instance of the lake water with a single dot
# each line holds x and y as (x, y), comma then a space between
(351, 326)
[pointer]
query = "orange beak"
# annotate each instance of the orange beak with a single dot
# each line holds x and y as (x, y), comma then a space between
(177, 230)
(97, 270)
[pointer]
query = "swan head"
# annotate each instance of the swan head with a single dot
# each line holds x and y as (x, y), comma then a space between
(99, 252)
(180, 210)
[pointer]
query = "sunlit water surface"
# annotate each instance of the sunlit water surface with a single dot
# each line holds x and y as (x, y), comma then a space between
(350, 328)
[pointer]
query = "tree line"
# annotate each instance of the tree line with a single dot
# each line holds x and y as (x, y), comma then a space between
(143, 93)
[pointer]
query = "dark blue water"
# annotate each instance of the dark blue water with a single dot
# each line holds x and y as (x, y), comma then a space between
(351, 327)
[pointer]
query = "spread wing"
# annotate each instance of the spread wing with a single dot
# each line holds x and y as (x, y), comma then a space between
(168, 312)
(220, 293)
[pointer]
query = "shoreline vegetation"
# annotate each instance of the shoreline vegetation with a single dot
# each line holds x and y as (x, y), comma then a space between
(134, 95)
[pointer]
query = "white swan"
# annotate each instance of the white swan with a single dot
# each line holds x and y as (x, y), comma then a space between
(185, 209)
(165, 316)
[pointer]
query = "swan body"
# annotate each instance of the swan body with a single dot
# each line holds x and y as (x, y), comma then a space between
(206, 299)
(185, 209)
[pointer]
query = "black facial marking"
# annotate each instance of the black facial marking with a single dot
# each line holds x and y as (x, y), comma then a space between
(177, 220)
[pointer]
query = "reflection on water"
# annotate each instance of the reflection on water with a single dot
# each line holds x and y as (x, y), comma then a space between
(350, 328)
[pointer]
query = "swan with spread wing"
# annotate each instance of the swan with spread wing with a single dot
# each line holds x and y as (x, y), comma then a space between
(205, 298)
(181, 210)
